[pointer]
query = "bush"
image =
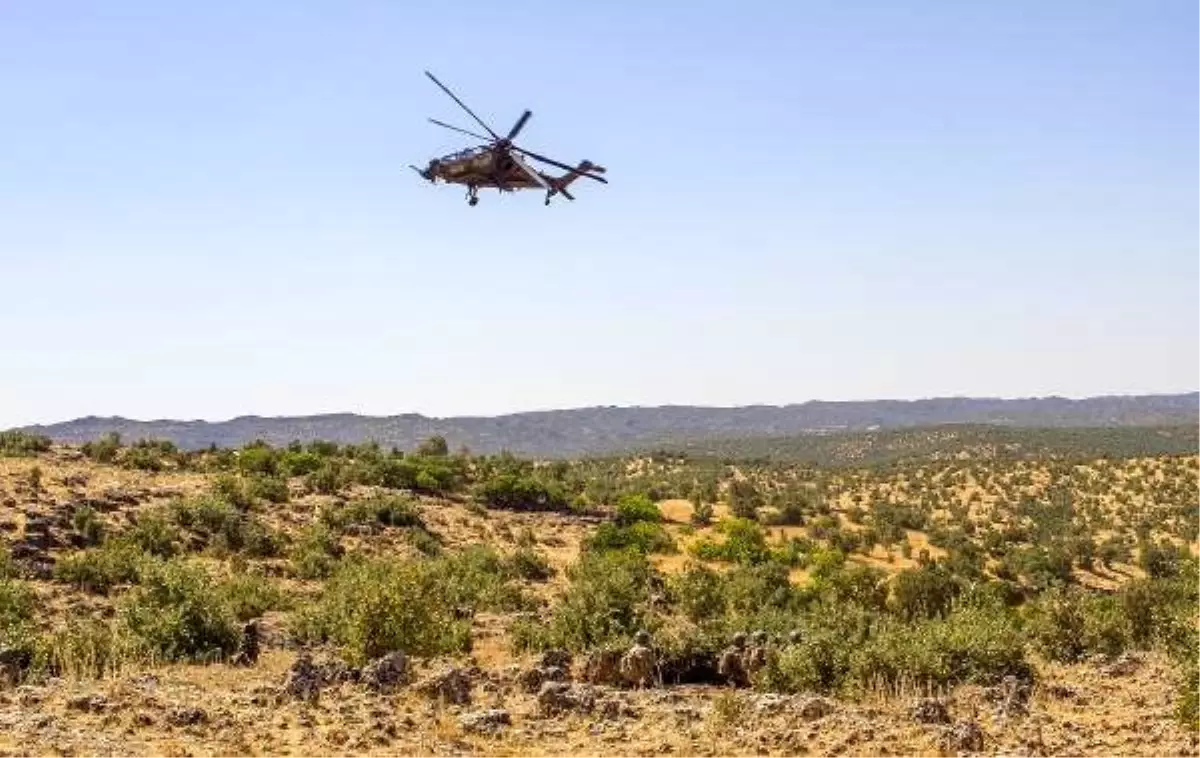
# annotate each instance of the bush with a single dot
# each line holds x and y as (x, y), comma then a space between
(273, 489)
(522, 493)
(372, 608)
(17, 603)
(143, 456)
(396, 511)
(315, 553)
(1161, 559)
(818, 663)
(326, 480)
(88, 525)
(99, 570)
(223, 528)
(299, 462)
(699, 592)
(103, 450)
(478, 577)
(527, 563)
(632, 509)
(642, 536)
(19, 444)
(603, 606)
(745, 542)
(1187, 704)
(155, 533)
(231, 489)
(258, 459)
(385, 510)
(249, 596)
(177, 613)
(744, 499)
(971, 646)
(923, 593)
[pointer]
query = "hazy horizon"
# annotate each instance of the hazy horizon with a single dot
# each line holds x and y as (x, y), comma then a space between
(206, 211)
(219, 420)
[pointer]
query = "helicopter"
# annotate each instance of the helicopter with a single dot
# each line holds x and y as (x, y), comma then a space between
(500, 164)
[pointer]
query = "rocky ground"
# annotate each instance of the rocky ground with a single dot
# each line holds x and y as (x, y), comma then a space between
(285, 700)
(293, 703)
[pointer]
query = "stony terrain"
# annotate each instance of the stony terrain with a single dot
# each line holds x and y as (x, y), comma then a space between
(337, 601)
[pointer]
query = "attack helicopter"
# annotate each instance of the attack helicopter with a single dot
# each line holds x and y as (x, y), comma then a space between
(500, 164)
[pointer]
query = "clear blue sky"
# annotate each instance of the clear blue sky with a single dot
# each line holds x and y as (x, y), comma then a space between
(206, 210)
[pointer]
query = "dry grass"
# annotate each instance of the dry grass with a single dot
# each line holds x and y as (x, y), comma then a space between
(140, 709)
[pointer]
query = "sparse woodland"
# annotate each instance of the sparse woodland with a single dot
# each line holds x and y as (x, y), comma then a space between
(1028, 579)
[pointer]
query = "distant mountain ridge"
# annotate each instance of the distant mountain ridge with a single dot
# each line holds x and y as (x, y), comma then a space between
(609, 429)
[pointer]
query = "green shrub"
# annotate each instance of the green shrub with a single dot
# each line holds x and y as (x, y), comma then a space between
(750, 588)
(967, 646)
(231, 489)
(745, 542)
(1056, 626)
(258, 459)
(1187, 703)
(923, 593)
(326, 480)
(273, 489)
(1161, 559)
(299, 462)
(155, 533)
(396, 511)
(19, 444)
(632, 509)
(315, 553)
(852, 584)
(527, 563)
(100, 569)
(88, 525)
(220, 526)
(522, 493)
(17, 603)
(104, 449)
(744, 499)
(142, 457)
(604, 604)
(371, 608)
(478, 576)
(177, 613)
(818, 663)
(249, 596)
(424, 541)
(642, 536)
(385, 510)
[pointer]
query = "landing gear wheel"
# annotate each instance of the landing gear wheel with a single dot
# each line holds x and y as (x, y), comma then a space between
(473, 201)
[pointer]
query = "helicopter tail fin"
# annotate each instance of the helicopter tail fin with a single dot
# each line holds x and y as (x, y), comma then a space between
(561, 183)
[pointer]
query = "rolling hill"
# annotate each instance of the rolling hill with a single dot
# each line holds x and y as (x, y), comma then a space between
(601, 430)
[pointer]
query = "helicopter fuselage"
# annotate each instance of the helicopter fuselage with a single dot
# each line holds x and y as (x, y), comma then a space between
(480, 167)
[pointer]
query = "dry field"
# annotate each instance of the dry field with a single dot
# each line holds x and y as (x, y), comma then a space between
(941, 607)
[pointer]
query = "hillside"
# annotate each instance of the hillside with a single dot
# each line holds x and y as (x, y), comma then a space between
(978, 442)
(329, 600)
(600, 430)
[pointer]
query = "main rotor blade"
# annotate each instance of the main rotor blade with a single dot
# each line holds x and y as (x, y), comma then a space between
(517, 127)
(462, 105)
(561, 165)
(459, 129)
